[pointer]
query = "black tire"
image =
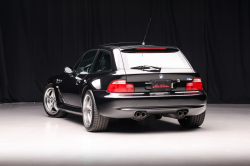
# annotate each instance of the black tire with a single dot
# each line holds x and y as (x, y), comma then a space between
(192, 121)
(98, 122)
(58, 113)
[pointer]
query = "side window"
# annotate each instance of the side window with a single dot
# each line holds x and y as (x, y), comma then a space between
(86, 62)
(103, 62)
(77, 64)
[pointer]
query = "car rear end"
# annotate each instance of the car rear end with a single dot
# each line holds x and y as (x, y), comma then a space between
(153, 81)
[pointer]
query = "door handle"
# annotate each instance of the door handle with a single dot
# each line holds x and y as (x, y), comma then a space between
(78, 80)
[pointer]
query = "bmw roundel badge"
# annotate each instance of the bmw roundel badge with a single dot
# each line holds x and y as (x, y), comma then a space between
(161, 76)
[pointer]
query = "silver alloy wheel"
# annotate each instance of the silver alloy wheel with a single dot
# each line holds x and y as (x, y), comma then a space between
(50, 101)
(87, 111)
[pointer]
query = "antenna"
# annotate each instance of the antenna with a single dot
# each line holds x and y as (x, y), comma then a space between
(143, 43)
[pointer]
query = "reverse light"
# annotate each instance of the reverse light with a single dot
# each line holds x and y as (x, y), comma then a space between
(120, 86)
(196, 84)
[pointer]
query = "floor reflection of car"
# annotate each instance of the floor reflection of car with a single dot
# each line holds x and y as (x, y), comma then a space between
(128, 81)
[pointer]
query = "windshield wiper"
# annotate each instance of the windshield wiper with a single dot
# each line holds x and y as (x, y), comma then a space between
(146, 67)
(140, 67)
(159, 68)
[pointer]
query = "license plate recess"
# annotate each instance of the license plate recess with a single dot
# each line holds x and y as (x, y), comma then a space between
(161, 85)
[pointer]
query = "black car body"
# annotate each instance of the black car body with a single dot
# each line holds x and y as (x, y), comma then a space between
(129, 81)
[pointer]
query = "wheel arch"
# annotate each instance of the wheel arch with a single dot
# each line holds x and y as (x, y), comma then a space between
(49, 81)
(84, 90)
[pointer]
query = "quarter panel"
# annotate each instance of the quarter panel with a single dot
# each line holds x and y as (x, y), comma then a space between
(105, 78)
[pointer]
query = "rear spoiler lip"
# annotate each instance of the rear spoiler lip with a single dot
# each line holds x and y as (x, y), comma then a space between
(151, 50)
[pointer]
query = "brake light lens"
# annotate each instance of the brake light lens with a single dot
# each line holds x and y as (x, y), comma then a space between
(151, 48)
(120, 86)
(196, 84)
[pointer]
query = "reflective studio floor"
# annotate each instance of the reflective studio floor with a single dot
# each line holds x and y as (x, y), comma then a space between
(29, 137)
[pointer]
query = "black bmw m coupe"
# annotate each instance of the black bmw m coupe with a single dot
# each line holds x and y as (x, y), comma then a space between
(128, 80)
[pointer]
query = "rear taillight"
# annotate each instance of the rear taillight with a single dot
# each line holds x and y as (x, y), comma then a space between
(151, 48)
(196, 84)
(120, 86)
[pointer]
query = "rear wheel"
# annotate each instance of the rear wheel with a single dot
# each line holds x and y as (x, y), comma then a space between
(92, 120)
(50, 104)
(192, 121)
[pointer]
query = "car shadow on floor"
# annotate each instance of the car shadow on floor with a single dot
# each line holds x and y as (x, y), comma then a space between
(145, 126)
(132, 126)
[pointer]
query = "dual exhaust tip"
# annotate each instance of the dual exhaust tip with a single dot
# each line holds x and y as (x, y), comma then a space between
(140, 114)
(182, 112)
(143, 114)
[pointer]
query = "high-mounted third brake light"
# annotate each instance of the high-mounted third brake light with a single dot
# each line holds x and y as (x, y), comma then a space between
(196, 84)
(151, 48)
(120, 86)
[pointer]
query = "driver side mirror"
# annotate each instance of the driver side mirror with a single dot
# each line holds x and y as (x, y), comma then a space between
(68, 70)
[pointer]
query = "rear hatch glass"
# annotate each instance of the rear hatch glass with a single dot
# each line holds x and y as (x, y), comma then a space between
(162, 58)
(156, 70)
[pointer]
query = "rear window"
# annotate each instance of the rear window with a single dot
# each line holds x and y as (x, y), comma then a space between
(171, 60)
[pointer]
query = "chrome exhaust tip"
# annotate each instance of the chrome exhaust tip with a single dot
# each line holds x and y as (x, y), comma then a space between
(137, 114)
(180, 113)
(140, 114)
(185, 112)
(143, 114)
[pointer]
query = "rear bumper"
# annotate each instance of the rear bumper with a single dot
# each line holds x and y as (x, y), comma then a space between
(125, 105)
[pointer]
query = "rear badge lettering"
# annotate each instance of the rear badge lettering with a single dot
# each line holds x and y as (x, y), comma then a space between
(161, 76)
(160, 86)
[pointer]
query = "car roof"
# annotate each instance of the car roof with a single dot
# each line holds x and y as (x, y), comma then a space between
(129, 45)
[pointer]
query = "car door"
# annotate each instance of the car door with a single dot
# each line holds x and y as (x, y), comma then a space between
(70, 85)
